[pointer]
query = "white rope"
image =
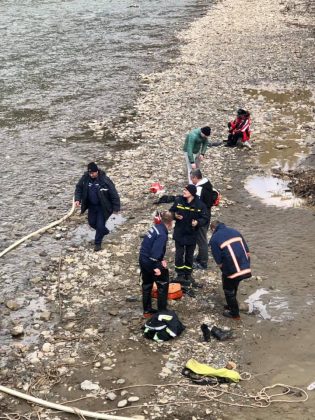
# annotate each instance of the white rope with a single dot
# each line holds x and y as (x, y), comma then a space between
(39, 231)
(61, 407)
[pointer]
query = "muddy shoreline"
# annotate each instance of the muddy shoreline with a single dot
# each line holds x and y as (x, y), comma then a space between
(92, 333)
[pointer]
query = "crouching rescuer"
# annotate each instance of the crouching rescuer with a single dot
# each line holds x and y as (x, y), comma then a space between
(153, 265)
(231, 253)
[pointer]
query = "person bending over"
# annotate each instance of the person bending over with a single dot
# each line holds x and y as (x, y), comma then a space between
(231, 253)
(196, 143)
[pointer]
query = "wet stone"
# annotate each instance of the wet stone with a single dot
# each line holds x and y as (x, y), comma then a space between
(12, 305)
(111, 396)
(45, 316)
(17, 330)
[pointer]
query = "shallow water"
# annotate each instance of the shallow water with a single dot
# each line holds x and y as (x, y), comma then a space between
(63, 64)
(272, 191)
(270, 305)
(289, 112)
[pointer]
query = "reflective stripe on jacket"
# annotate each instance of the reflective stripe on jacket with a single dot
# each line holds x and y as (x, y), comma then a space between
(184, 232)
(230, 251)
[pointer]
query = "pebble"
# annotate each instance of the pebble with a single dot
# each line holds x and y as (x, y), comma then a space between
(45, 316)
(47, 347)
(111, 396)
(89, 386)
(69, 361)
(17, 330)
(121, 381)
(230, 365)
(122, 403)
(12, 305)
(133, 398)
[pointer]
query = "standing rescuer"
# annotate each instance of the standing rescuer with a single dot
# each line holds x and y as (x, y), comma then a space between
(231, 253)
(196, 143)
(205, 193)
(190, 214)
(153, 265)
(96, 192)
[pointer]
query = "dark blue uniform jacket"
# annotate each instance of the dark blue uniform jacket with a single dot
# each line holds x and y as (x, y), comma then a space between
(100, 191)
(153, 248)
(184, 232)
(230, 250)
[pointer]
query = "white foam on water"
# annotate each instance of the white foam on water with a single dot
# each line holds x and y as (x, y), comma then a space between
(276, 310)
(255, 304)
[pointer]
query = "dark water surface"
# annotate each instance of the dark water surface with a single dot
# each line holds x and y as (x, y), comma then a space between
(63, 63)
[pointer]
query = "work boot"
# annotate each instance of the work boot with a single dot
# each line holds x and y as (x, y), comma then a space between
(220, 334)
(97, 247)
(193, 282)
(181, 279)
(199, 266)
(228, 314)
(148, 314)
(206, 332)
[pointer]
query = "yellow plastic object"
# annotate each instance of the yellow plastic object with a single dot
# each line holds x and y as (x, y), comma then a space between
(207, 370)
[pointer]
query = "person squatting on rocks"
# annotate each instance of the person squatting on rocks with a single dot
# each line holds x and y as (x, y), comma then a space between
(239, 129)
(196, 143)
(231, 253)
(190, 214)
(96, 192)
(205, 193)
(153, 265)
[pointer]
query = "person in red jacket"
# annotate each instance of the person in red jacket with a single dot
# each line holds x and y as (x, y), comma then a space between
(239, 129)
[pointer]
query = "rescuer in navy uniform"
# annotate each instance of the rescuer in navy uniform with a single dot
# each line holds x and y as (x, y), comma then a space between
(96, 192)
(231, 253)
(153, 265)
(190, 214)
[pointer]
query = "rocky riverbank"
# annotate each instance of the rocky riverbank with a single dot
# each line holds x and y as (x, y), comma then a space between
(236, 56)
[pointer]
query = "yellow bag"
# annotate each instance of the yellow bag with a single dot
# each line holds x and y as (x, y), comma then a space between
(207, 370)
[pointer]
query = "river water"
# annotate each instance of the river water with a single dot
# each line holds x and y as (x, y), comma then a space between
(64, 63)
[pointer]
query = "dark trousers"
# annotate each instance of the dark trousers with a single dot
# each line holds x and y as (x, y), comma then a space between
(184, 258)
(162, 281)
(202, 243)
(233, 139)
(230, 287)
(97, 221)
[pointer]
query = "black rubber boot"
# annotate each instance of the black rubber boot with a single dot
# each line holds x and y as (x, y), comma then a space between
(146, 298)
(193, 282)
(206, 332)
(220, 334)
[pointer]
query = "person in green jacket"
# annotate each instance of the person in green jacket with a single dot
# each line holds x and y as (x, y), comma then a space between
(195, 147)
